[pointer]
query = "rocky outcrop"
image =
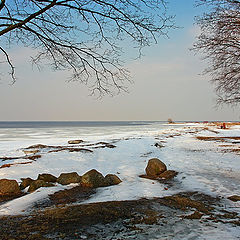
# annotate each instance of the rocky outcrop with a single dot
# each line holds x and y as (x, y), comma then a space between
(67, 178)
(38, 184)
(155, 167)
(9, 188)
(25, 183)
(46, 177)
(75, 141)
(93, 179)
(112, 179)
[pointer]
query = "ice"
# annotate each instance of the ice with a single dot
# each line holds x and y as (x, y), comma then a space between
(202, 166)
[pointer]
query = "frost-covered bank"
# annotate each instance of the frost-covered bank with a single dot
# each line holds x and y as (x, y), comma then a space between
(205, 157)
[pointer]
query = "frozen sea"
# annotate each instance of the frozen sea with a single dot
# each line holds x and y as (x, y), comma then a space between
(202, 165)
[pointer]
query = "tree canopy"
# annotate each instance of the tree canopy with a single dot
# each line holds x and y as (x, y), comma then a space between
(219, 41)
(82, 36)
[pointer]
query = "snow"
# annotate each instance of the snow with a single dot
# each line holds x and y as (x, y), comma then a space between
(201, 165)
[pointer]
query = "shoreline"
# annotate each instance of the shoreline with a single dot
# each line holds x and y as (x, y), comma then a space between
(205, 156)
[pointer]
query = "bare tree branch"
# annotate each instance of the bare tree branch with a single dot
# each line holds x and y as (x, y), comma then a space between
(83, 36)
(219, 41)
(12, 72)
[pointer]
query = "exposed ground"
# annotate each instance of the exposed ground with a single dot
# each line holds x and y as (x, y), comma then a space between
(136, 219)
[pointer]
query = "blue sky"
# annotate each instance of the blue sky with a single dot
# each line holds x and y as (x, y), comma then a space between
(167, 84)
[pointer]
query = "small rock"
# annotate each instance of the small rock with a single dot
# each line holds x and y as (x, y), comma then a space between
(159, 145)
(112, 179)
(38, 184)
(234, 198)
(67, 178)
(75, 141)
(9, 187)
(155, 167)
(25, 183)
(169, 174)
(47, 177)
(93, 179)
(110, 146)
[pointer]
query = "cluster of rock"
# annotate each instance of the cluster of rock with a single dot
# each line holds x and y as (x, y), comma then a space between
(157, 170)
(91, 179)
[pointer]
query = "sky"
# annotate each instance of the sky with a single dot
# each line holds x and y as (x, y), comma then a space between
(167, 84)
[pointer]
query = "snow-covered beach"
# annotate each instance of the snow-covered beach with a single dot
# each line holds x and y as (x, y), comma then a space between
(205, 156)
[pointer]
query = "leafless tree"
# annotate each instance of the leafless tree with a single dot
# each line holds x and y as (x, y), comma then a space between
(219, 41)
(83, 36)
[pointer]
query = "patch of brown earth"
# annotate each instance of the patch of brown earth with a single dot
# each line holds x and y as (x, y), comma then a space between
(234, 198)
(195, 215)
(74, 221)
(225, 145)
(228, 124)
(70, 149)
(4, 199)
(72, 195)
(13, 164)
(232, 150)
(185, 202)
(222, 139)
(33, 157)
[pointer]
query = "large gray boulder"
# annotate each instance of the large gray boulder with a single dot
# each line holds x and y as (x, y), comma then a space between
(93, 179)
(155, 167)
(67, 178)
(38, 184)
(46, 177)
(9, 188)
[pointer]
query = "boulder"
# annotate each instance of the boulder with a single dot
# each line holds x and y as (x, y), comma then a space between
(67, 178)
(155, 167)
(47, 177)
(93, 179)
(9, 187)
(38, 184)
(25, 183)
(75, 141)
(111, 179)
(167, 175)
